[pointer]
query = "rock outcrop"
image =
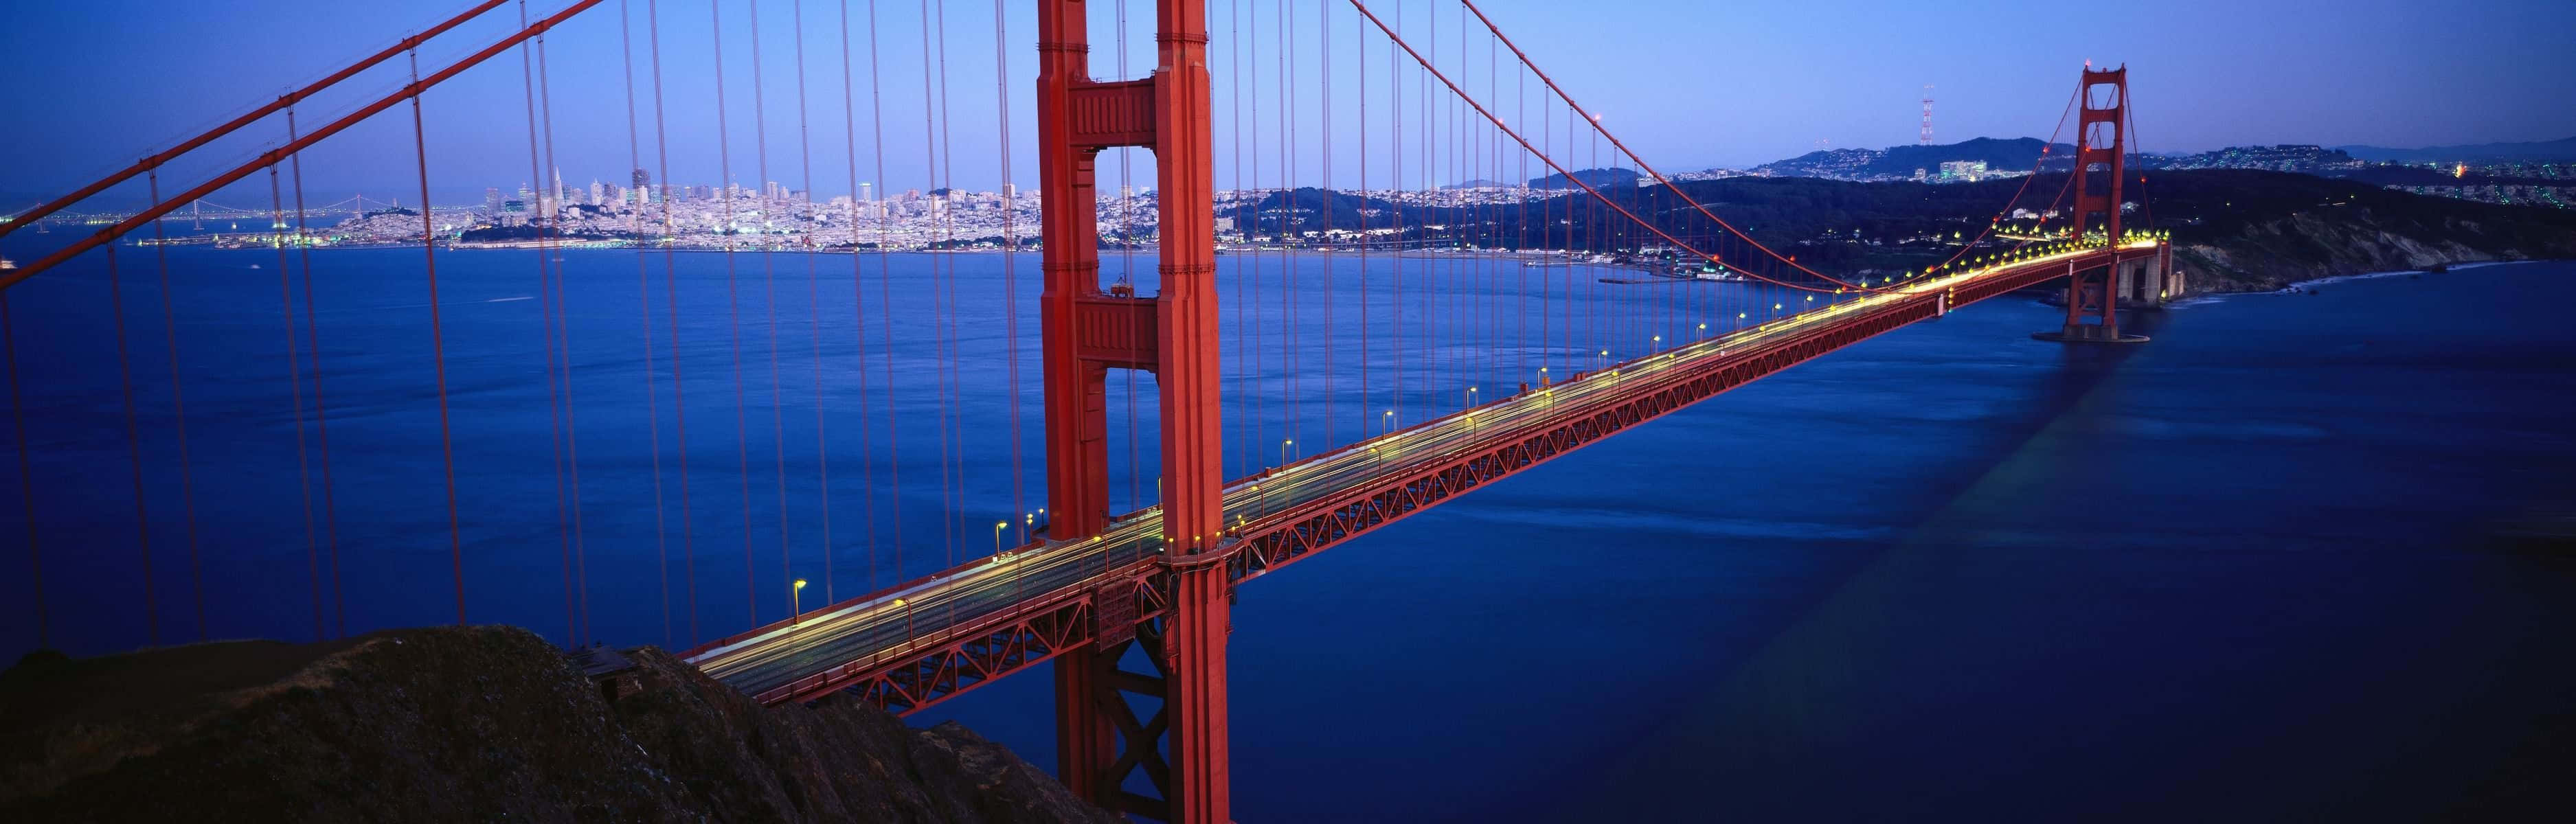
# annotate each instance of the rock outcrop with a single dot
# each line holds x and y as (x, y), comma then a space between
(471, 724)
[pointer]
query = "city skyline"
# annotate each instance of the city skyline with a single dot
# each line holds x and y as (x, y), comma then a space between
(2331, 86)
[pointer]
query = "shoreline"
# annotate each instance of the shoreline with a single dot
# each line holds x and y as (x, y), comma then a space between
(2309, 286)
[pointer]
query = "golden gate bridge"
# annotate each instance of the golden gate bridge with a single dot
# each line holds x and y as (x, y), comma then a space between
(1129, 605)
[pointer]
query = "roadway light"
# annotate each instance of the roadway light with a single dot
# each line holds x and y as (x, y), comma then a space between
(796, 604)
(998, 526)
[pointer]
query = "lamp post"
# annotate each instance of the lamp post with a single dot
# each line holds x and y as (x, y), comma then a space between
(796, 603)
(998, 526)
(907, 620)
(1283, 453)
(1471, 397)
(1388, 419)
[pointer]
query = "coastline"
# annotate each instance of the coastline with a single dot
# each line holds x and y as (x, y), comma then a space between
(2310, 285)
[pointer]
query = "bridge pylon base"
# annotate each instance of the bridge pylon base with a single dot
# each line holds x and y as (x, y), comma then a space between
(2088, 333)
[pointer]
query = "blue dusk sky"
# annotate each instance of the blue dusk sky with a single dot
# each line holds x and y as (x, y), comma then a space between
(95, 84)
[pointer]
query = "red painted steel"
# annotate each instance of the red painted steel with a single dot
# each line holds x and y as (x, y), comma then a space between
(280, 104)
(2095, 291)
(1173, 334)
(1199, 788)
(275, 156)
(931, 670)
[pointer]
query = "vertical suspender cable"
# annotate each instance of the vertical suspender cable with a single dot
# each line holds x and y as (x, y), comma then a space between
(563, 351)
(634, 205)
(437, 345)
(134, 450)
(1359, 51)
(1235, 89)
(858, 304)
(1010, 252)
(313, 361)
(813, 303)
(671, 297)
(733, 314)
(1287, 228)
(885, 293)
(943, 284)
(179, 404)
(770, 203)
(549, 203)
(1324, 194)
(295, 389)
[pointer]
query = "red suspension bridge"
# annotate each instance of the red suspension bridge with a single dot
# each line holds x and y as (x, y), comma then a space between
(1130, 604)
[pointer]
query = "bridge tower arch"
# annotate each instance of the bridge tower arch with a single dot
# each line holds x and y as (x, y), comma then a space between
(2101, 165)
(1180, 748)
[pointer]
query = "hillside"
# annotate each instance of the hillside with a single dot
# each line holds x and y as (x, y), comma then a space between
(470, 724)
(2247, 230)
(1894, 162)
(2562, 149)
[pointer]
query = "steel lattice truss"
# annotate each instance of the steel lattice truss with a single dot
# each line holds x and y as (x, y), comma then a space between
(1124, 604)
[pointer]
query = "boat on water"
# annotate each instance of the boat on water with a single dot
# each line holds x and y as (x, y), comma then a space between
(7, 264)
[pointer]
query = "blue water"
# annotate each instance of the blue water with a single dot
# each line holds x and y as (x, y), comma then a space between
(2247, 571)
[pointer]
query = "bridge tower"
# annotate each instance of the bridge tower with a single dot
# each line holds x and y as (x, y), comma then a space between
(2101, 163)
(1180, 748)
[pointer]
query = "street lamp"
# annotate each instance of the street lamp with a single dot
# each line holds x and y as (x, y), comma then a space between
(796, 603)
(1471, 396)
(1388, 417)
(998, 526)
(1283, 453)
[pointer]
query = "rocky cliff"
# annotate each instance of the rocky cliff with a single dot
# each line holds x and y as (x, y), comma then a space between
(471, 724)
(2237, 231)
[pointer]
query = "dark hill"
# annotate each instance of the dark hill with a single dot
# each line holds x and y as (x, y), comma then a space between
(2564, 149)
(470, 724)
(1597, 178)
(1999, 154)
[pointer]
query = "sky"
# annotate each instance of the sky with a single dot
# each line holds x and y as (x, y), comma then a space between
(1689, 84)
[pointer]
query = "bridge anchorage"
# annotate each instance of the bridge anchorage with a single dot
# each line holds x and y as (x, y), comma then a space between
(2101, 165)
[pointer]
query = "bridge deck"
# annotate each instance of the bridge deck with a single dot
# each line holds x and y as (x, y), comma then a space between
(921, 642)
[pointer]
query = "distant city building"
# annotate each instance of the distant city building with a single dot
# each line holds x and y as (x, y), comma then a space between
(1962, 171)
(492, 200)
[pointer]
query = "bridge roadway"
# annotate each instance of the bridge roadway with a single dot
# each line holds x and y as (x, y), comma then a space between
(929, 639)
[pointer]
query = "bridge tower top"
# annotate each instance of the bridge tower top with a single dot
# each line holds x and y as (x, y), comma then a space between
(2101, 149)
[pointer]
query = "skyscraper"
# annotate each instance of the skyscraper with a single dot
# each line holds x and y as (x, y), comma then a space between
(867, 192)
(492, 200)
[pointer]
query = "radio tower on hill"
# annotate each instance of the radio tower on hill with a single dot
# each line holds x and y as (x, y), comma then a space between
(1927, 114)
